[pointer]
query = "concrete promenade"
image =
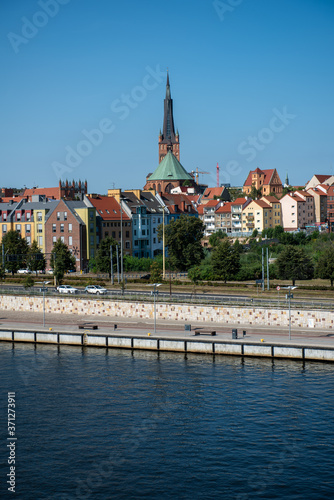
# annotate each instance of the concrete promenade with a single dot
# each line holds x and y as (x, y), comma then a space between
(322, 338)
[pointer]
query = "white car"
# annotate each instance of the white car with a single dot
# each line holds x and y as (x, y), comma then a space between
(67, 289)
(97, 289)
(23, 271)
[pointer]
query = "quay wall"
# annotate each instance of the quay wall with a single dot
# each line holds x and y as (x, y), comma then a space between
(213, 347)
(224, 315)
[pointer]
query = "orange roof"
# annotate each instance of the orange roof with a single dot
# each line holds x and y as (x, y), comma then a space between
(224, 208)
(212, 203)
(200, 209)
(322, 178)
(239, 201)
(48, 192)
(262, 204)
(108, 208)
(271, 199)
(214, 191)
(267, 176)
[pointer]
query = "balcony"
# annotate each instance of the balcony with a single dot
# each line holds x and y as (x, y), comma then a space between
(250, 225)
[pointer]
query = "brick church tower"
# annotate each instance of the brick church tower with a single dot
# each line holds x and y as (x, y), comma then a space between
(168, 139)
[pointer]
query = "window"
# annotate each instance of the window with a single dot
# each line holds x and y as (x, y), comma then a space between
(154, 230)
(153, 240)
(4, 228)
(127, 244)
(18, 216)
(62, 239)
(54, 239)
(136, 243)
(28, 215)
(70, 240)
(119, 234)
(28, 228)
(28, 239)
(144, 232)
(127, 234)
(18, 228)
(144, 222)
(61, 228)
(40, 241)
(70, 228)
(92, 240)
(39, 228)
(135, 232)
(91, 227)
(54, 228)
(39, 216)
(65, 215)
(113, 234)
(58, 215)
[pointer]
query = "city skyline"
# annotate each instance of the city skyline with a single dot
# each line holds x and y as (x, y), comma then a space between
(84, 84)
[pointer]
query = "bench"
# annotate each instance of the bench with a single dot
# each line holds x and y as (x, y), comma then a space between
(198, 331)
(87, 326)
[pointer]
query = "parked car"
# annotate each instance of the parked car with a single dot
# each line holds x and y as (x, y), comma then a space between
(97, 289)
(145, 276)
(23, 271)
(67, 289)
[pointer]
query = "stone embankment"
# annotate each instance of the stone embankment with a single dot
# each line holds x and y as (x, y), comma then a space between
(100, 307)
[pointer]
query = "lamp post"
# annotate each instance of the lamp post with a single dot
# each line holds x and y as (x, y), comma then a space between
(289, 296)
(43, 289)
(155, 311)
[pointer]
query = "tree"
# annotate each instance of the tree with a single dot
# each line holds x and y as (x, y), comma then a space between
(103, 258)
(28, 282)
(294, 264)
(16, 249)
(255, 193)
(216, 237)
(156, 272)
(325, 266)
(225, 261)
(61, 260)
(278, 230)
(35, 258)
(183, 239)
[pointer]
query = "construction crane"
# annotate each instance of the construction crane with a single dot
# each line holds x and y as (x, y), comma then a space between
(197, 172)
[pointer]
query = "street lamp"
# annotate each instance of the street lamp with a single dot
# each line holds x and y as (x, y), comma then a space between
(43, 289)
(155, 311)
(289, 296)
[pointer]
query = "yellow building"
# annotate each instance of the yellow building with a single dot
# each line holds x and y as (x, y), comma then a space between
(256, 215)
(276, 209)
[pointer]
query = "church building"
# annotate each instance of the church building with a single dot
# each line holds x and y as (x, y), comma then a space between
(170, 173)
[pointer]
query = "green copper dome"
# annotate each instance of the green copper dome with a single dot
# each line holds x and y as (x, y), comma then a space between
(170, 169)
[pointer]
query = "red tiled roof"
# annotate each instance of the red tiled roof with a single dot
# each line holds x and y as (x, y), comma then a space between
(262, 204)
(322, 178)
(239, 201)
(108, 208)
(224, 208)
(214, 191)
(212, 203)
(48, 192)
(271, 199)
(267, 176)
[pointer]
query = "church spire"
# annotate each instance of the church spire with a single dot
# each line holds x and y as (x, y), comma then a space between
(168, 141)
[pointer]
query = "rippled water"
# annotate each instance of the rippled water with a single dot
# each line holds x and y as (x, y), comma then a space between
(113, 424)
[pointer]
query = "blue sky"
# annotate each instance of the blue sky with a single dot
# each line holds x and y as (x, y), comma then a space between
(83, 84)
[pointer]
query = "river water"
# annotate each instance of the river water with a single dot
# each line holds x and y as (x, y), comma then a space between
(114, 424)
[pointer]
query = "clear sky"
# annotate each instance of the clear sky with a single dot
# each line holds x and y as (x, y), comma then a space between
(83, 83)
